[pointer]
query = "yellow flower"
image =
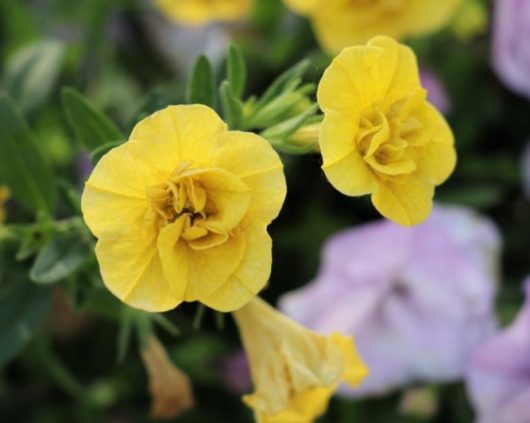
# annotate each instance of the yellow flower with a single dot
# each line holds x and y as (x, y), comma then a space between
(201, 12)
(342, 23)
(181, 212)
(380, 135)
(294, 370)
(5, 194)
(471, 20)
(170, 388)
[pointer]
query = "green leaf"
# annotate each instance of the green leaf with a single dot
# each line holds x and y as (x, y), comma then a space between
(23, 166)
(91, 127)
(278, 135)
(59, 258)
(23, 306)
(32, 72)
(232, 106)
(201, 86)
(287, 81)
(236, 70)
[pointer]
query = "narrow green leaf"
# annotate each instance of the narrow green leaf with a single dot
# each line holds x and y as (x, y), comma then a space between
(236, 70)
(278, 135)
(91, 127)
(23, 166)
(32, 72)
(59, 258)
(286, 79)
(232, 106)
(201, 86)
(23, 306)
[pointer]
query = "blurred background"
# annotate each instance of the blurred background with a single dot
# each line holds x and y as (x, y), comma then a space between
(130, 59)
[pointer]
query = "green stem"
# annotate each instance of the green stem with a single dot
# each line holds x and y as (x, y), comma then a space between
(58, 371)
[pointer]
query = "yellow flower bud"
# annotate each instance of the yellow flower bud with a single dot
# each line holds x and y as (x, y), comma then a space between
(294, 370)
(307, 137)
(170, 388)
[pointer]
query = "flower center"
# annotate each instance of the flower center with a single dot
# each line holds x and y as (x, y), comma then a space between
(388, 134)
(180, 194)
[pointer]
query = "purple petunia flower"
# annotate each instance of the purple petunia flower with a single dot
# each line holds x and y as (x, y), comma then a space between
(511, 44)
(498, 378)
(417, 300)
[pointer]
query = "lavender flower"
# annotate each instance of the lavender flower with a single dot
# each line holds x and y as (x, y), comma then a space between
(511, 47)
(418, 300)
(498, 379)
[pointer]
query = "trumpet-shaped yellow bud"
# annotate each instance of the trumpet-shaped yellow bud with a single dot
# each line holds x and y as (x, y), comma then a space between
(5, 194)
(201, 12)
(294, 370)
(343, 23)
(307, 137)
(181, 212)
(170, 388)
(380, 135)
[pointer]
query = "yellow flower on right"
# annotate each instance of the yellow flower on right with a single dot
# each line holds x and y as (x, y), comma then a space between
(380, 135)
(342, 23)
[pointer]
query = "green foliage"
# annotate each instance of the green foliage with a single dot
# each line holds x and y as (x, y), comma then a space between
(60, 257)
(22, 308)
(32, 72)
(236, 70)
(201, 86)
(232, 106)
(92, 128)
(23, 166)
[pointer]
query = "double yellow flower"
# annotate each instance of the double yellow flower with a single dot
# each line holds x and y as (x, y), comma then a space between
(181, 212)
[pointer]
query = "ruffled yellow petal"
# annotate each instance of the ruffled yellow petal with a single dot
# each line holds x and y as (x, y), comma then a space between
(251, 275)
(131, 270)
(408, 203)
(173, 254)
(436, 159)
(178, 134)
(259, 167)
(209, 269)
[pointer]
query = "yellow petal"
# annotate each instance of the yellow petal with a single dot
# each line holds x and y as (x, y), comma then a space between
(173, 254)
(355, 369)
(407, 203)
(210, 268)
(131, 270)
(251, 275)
(437, 159)
(256, 163)
(185, 133)
(114, 199)
(362, 76)
(229, 195)
(428, 16)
